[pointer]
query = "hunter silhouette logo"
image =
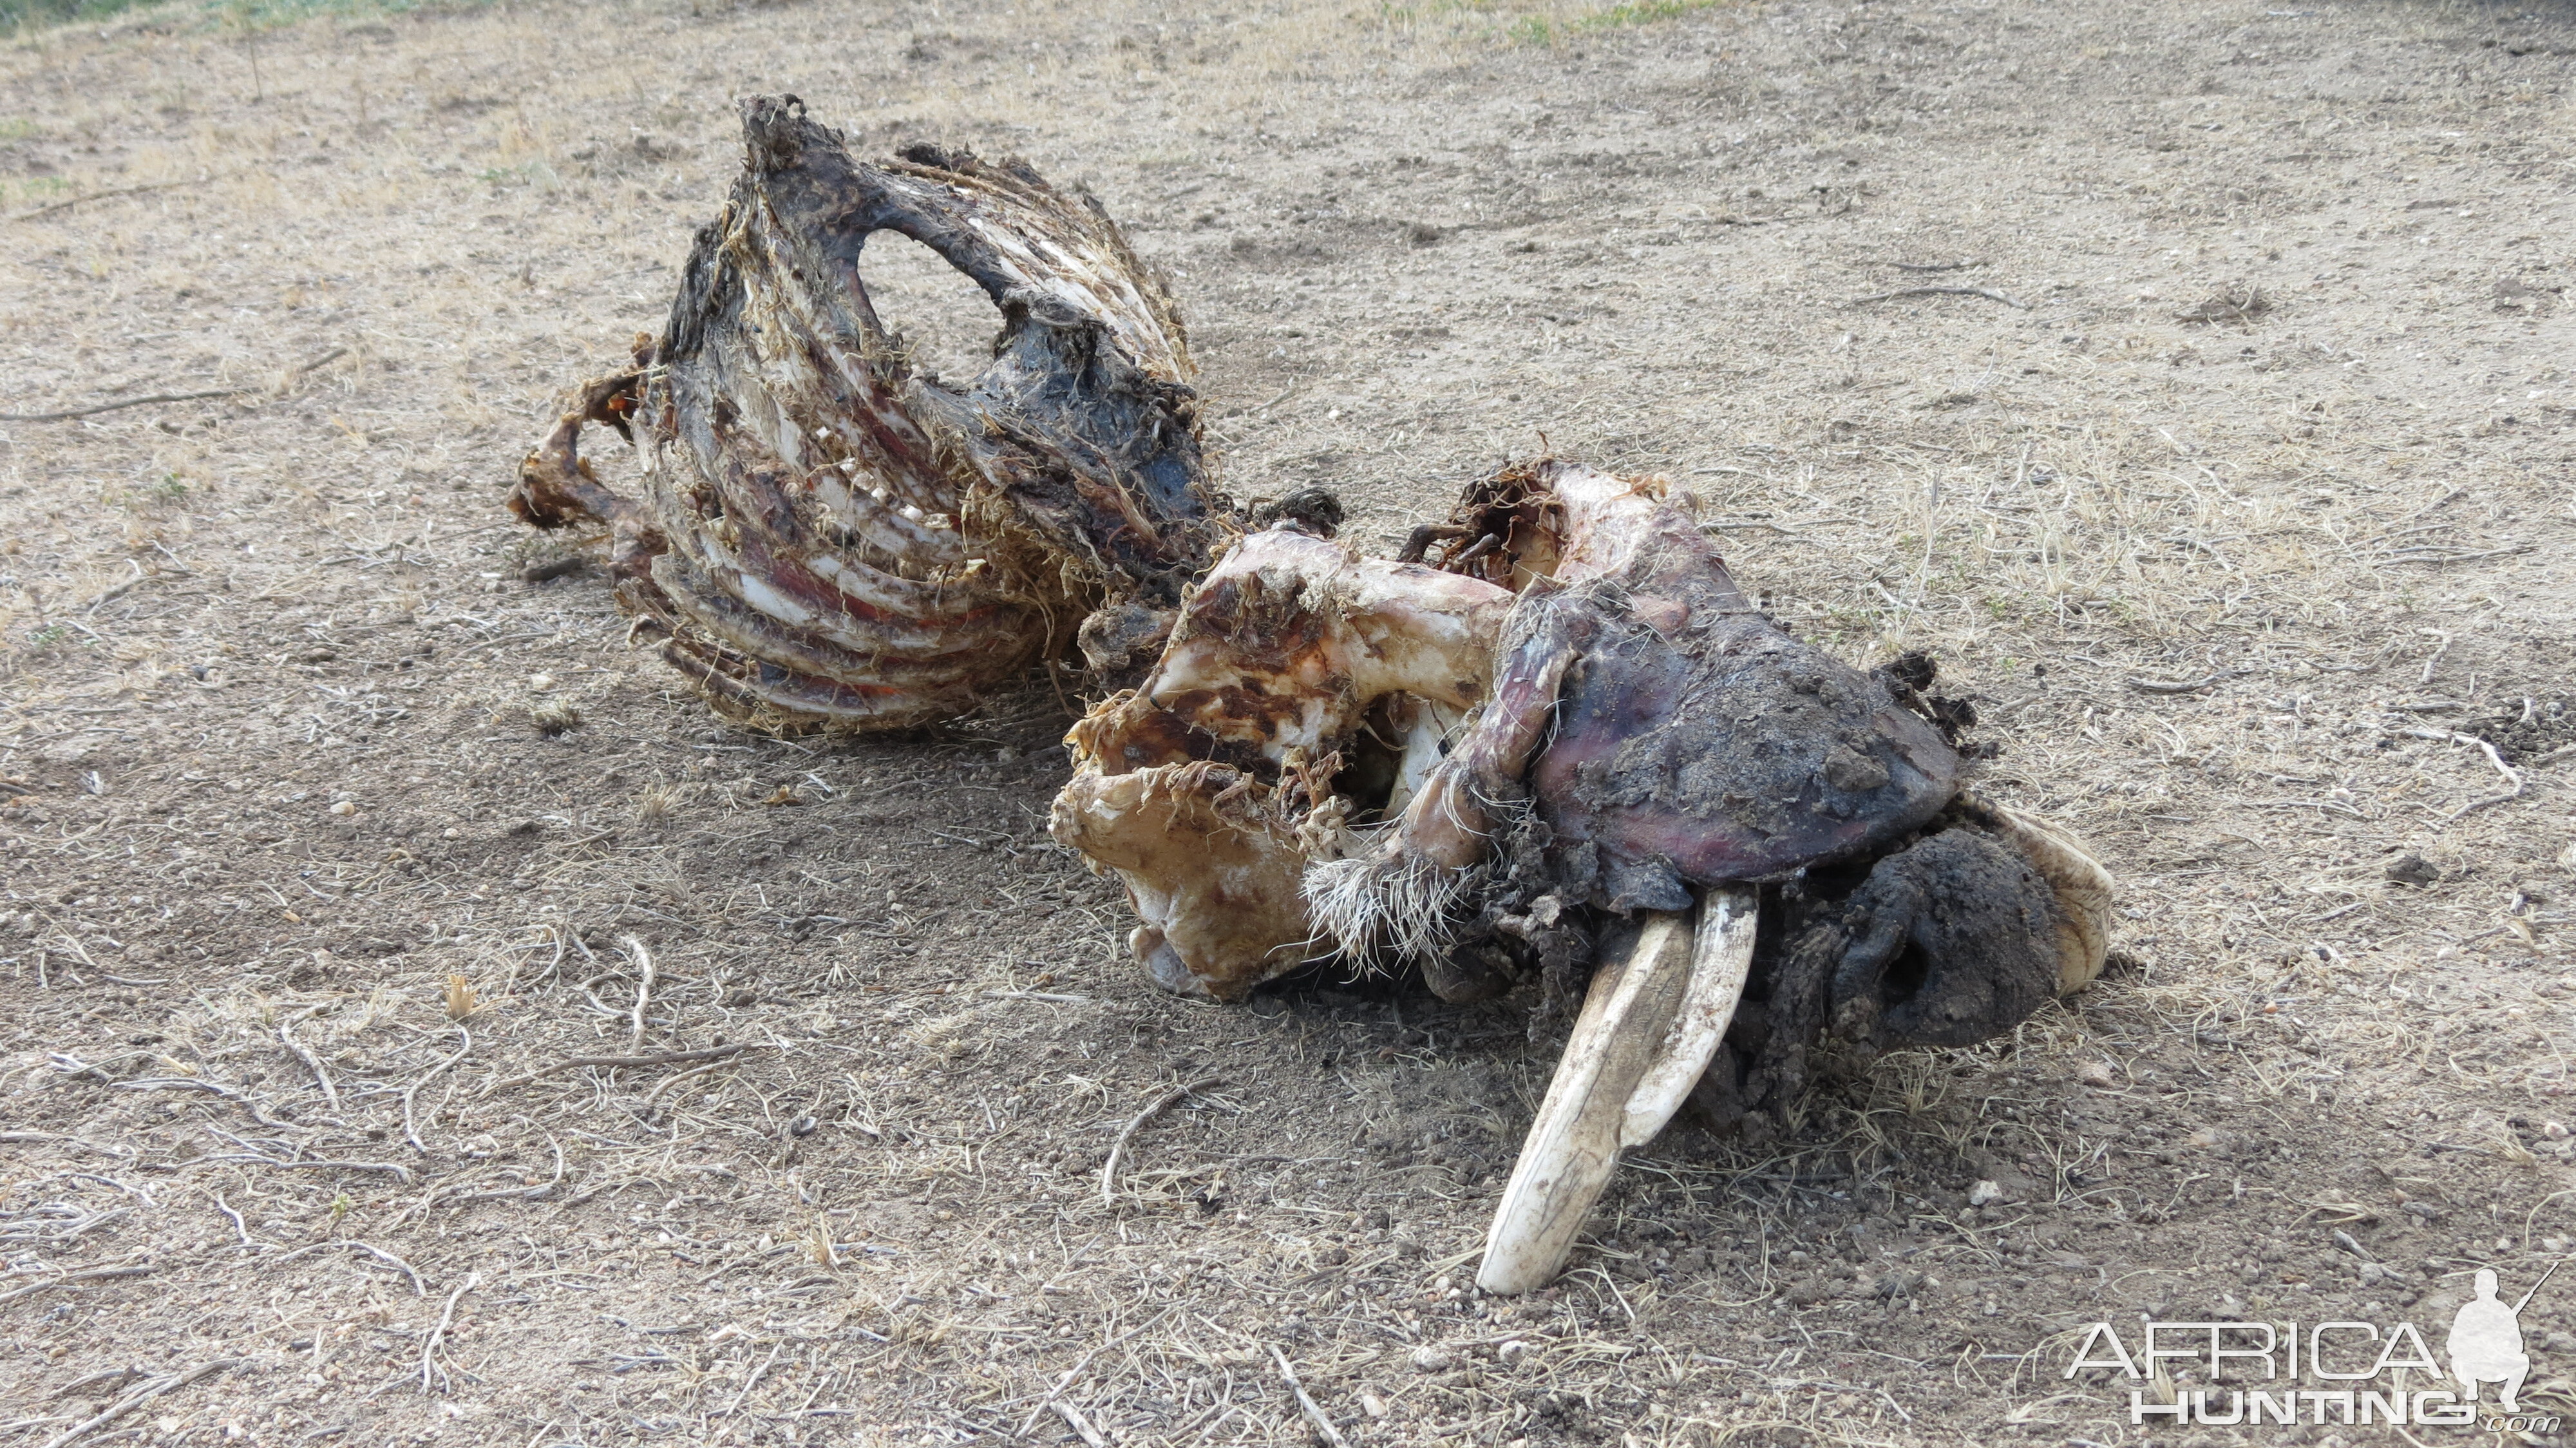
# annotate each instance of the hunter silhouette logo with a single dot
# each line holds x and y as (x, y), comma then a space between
(2486, 1340)
(2356, 1373)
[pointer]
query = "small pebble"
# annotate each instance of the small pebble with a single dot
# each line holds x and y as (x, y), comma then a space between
(344, 807)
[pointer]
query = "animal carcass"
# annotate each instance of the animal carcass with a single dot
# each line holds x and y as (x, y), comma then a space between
(1553, 738)
(1569, 740)
(832, 536)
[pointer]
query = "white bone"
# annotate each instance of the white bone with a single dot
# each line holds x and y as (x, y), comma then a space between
(1650, 1025)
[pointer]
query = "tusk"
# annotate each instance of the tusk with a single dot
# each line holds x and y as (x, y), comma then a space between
(2082, 887)
(1721, 957)
(1649, 1027)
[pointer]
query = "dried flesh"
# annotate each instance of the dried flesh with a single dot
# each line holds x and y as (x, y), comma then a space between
(832, 536)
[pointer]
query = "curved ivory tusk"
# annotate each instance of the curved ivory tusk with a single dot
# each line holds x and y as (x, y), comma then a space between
(1649, 1027)
(2082, 887)
(1721, 958)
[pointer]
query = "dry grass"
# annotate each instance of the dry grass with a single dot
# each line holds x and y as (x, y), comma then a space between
(2229, 588)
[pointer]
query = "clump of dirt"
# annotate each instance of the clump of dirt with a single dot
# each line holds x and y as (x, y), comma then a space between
(2536, 728)
(2234, 302)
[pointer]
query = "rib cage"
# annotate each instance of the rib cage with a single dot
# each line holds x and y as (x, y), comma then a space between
(830, 536)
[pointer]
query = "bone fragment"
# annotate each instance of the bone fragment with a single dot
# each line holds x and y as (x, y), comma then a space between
(1649, 1027)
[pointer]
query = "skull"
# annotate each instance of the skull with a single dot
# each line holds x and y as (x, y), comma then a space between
(1571, 730)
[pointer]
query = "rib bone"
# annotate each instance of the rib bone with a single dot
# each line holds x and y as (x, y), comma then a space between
(832, 535)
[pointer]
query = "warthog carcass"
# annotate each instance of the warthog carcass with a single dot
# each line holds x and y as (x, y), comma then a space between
(1550, 743)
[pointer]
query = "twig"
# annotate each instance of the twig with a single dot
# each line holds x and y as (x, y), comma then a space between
(1314, 1414)
(1988, 293)
(418, 1288)
(2512, 776)
(334, 355)
(92, 1380)
(668, 1082)
(1755, 525)
(48, 1138)
(410, 1133)
(1118, 1148)
(1073, 1419)
(753, 1381)
(2182, 686)
(1932, 266)
(1055, 997)
(94, 1274)
(505, 1194)
(2433, 660)
(1260, 408)
(2440, 556)
(657, 1058)
(438, 1334)
(541, 1188)
(138, 1397)
(53, 206)
(71, 413)
(313, 1063)
(241, 1228)
(191, 1083)
(643, 990)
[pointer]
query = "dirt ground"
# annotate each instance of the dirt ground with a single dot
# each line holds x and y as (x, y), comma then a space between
(2235, 494)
